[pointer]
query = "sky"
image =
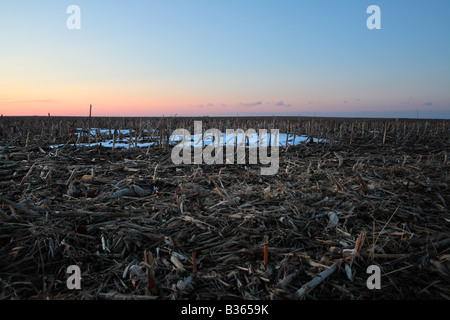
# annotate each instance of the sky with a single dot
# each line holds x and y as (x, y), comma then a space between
(225, 57)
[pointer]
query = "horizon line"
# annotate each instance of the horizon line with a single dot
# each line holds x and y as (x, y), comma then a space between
(228, 116)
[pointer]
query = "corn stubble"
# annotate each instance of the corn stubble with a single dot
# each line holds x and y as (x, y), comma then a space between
(373, 192)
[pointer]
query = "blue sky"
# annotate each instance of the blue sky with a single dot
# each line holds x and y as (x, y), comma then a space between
(226, 57)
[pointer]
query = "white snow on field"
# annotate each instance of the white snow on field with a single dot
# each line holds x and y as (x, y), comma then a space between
(252, 140)
(109, 144)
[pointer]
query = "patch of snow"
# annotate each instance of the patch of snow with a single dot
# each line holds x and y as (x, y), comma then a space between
(252, 140)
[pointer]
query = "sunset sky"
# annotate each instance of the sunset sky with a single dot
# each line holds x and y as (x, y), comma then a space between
(225, 57)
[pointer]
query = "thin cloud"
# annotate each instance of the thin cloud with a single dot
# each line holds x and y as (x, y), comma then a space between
(428, 104)
(208, 105)
(249, 105)
(282, 104)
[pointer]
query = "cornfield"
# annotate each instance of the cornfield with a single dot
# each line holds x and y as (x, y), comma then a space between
(102, 193)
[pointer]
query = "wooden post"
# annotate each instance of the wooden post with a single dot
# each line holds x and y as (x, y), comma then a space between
(89, 132)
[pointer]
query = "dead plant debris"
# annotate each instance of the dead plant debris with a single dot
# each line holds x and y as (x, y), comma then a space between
(140, 227)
